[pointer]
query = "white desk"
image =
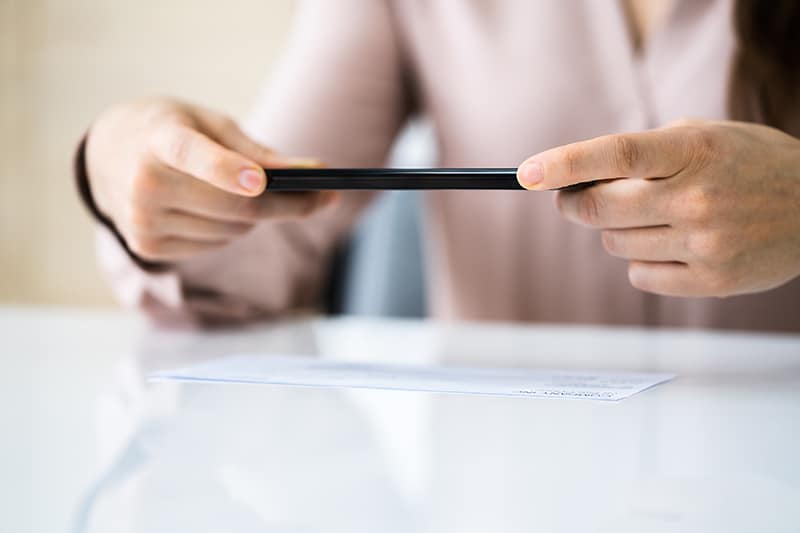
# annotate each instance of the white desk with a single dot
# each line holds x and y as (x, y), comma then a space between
(718, 449)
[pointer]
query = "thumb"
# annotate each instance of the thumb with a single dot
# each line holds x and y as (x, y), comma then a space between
(230, 135)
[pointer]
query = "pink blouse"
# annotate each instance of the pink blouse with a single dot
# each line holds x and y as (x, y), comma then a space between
(500, 81)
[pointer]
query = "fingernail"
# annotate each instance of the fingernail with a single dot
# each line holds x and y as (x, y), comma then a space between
(531, 174)
(251, 179)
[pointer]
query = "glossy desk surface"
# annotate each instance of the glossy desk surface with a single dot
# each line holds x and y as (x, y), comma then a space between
(89, 445)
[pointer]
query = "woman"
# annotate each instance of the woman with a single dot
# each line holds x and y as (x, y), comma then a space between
(701, 228)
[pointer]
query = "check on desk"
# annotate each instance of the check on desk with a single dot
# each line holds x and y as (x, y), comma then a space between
(309, 371)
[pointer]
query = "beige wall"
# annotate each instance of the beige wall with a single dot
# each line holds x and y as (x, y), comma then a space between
(63, 62)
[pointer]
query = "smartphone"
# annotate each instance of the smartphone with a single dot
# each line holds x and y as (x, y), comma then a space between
(344, 179)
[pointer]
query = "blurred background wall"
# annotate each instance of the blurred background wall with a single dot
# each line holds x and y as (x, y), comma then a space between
(61, 63)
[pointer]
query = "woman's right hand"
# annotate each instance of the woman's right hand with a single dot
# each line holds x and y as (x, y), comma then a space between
(177, 180)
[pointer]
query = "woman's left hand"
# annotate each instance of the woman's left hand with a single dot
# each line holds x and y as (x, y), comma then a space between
(717, 215)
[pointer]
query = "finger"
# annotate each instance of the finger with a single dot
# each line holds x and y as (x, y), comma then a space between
(287, 205)
(183, 225)
(668, 279)
(184, 149)
(228, 133)
(168, 249)
(661, 243)
(617, 204)
(201, 199)
(654, 153)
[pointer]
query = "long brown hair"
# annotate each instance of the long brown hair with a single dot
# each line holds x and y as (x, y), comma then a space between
(765, 80)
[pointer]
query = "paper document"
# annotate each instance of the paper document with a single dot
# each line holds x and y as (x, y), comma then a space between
(319, 372)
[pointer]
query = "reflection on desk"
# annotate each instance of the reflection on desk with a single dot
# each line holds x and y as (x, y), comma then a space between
(714, 450)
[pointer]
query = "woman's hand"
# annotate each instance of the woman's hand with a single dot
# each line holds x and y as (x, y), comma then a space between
(177, 180)
(718, 215)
